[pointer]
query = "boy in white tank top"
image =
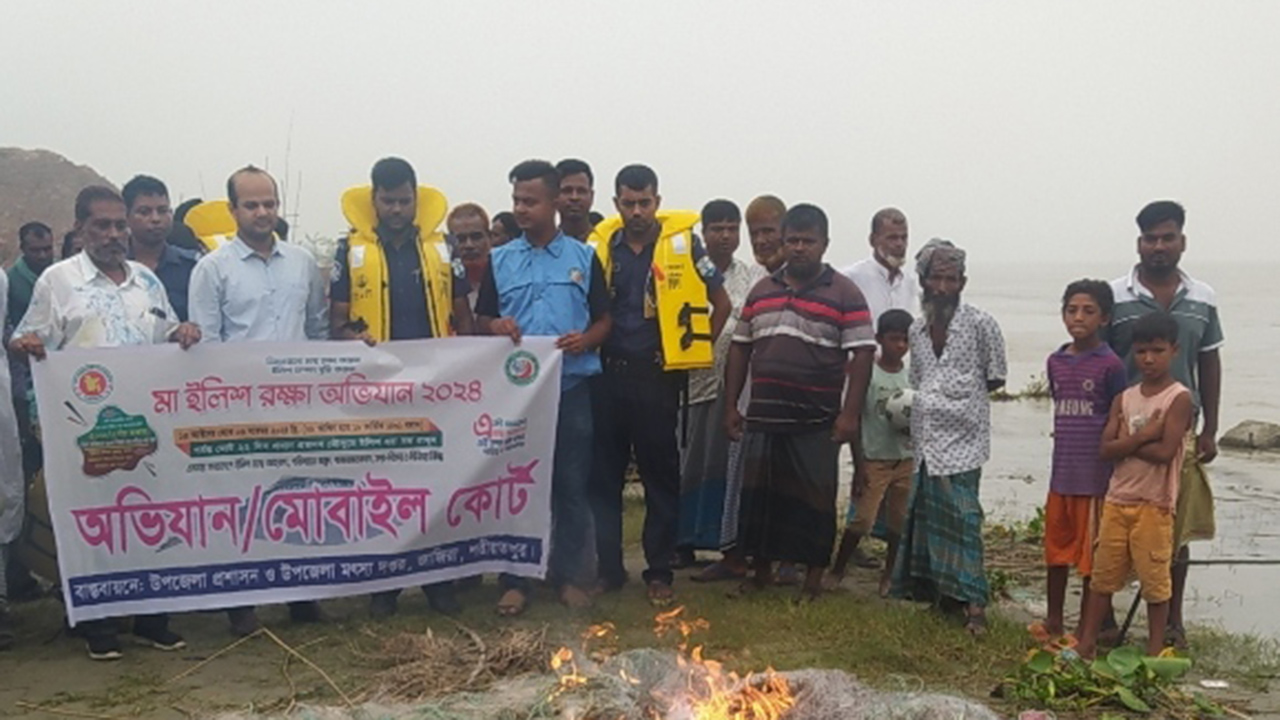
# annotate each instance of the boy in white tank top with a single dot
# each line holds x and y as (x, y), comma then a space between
(1144, 438)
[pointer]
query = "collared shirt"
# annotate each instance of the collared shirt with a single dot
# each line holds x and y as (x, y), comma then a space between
(549, 291)
(22, 281)
(174, 271)
(739, 278)
(1083, 387)
(800, 341)
(881, 292)
(410, 319)
(236, 294)
(635, 323)
(951, 415)
(1194, 307)
(75, 305)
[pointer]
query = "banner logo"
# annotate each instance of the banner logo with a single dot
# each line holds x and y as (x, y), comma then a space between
(521, 367)
(92, 384)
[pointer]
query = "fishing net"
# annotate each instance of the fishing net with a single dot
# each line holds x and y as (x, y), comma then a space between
(648, 683)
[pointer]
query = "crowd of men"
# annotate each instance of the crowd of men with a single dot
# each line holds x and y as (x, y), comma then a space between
(731, 384)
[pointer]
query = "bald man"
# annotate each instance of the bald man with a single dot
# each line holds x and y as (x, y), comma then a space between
(764, 226)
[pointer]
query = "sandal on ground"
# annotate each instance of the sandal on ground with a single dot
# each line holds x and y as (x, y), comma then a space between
(717, 572)
(512, 603)
(976, 624)
(1040, 632)
(1175, 636)
(575, 598)
(787, 575)
(660, 594)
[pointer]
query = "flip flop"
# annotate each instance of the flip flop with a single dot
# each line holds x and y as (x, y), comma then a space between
(660, 594)
(717, 572)
(512, 603)
(575, 598)
(787, 575)
(976, 625)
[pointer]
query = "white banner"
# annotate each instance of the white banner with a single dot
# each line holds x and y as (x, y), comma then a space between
(258, 473)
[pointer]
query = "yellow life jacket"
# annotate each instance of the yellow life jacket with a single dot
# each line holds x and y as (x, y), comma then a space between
(212, 223)
(370, 290)
(683, 311)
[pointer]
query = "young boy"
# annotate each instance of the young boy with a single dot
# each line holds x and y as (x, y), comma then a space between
(1144, 438)
(1085, 377)
(882, 457)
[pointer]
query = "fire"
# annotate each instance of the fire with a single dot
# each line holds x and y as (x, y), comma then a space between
(566, 669)
(710, 692)
(714, 694)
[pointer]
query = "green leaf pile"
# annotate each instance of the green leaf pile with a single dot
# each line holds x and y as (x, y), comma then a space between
(1124, 680)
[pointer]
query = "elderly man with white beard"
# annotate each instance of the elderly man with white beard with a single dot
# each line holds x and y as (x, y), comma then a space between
(958, 358)
(882, 278)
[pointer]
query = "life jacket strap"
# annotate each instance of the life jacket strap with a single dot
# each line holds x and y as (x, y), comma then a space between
(685, 319)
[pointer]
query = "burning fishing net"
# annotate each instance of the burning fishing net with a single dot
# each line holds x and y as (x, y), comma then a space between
(595, 683)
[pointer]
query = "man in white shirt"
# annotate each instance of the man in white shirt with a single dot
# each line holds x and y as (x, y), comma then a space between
(98, 299)
(258, 288)
(880, 277)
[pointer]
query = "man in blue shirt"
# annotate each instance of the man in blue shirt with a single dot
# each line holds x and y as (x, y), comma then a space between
(258, 288)
(146, 201)
(547, 283)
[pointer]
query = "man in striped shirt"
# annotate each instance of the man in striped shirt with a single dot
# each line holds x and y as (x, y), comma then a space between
(797, 332)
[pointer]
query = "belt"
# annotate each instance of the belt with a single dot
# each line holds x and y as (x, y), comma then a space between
(623, 364)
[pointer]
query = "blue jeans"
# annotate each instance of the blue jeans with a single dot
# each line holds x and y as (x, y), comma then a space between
(572, 546)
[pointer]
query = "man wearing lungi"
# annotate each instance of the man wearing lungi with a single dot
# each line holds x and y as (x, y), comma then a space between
(798, 329)
(958, 358)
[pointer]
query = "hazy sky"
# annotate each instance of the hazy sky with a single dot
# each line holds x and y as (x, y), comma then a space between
(1024, 130)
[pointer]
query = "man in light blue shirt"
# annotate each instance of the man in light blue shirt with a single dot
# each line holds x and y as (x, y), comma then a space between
(256, 287)
(547, 283)
(259, 288)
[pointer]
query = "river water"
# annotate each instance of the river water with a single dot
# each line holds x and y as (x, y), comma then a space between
(1026, 300)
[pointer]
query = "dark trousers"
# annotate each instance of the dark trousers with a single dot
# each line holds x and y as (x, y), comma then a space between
(636, 409)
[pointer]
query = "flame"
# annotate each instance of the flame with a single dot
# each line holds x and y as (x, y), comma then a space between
(566, 669)
(710, 693)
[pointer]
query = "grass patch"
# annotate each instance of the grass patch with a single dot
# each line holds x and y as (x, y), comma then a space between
(1248, 660)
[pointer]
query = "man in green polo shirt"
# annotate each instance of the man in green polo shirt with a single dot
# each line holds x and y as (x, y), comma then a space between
(1158, 284)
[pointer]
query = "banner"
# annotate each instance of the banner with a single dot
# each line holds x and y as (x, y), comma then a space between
(257, 473)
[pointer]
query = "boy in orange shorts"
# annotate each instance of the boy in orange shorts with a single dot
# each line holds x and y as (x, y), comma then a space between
(1144, 438)
(1085, 377)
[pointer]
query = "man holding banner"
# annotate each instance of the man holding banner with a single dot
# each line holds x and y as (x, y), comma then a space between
(547, 283)
(258, 288)
(98, 299)
(394, 225)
